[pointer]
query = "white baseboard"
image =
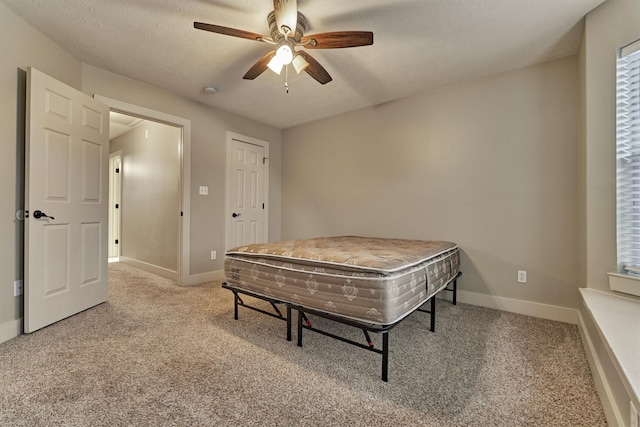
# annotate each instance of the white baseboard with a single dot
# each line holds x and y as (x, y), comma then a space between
(10, 330)
(611, 410)
(210, 276)
(191, 280)
(160, 271)
(528, 308)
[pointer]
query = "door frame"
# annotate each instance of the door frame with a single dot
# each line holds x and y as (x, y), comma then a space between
(185, 172)
(229, 177)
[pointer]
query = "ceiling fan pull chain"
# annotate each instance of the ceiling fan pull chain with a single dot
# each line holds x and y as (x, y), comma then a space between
(286, 78)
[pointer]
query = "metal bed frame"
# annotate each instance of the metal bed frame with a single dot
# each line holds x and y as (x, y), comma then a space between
(305, 323)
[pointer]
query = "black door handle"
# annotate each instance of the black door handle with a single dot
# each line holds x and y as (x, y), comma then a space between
(37, 214)
(235, 214)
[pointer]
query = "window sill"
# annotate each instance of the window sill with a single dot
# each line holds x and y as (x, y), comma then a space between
(624, 283)
(617, 319)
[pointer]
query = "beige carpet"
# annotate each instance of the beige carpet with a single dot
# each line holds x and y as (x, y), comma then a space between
(159, 355)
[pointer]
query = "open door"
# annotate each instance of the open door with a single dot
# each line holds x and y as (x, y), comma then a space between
(115, 201)
(66, 184)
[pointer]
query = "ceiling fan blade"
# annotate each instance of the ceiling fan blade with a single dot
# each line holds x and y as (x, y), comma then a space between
(338, 39)
(230, 31)
(259, 67)
(316, 70)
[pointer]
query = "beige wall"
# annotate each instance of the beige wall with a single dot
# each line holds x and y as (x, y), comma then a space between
(22, 45)
(150, 208)
(490, 164)
(612, 25)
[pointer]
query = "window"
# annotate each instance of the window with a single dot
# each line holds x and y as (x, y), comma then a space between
(628, 158)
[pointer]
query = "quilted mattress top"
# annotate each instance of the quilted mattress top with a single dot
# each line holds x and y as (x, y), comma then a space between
(352, 252)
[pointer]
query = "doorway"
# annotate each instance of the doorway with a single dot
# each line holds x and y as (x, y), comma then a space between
(170, 260)
(149, 206)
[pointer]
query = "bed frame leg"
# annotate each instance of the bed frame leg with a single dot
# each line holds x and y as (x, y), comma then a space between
(455, 290)
(288, 322)
(433, 313)
(235, 305)
(299, 328)
(385, 356)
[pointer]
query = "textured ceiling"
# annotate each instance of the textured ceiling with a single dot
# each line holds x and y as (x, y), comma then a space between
(418, 45)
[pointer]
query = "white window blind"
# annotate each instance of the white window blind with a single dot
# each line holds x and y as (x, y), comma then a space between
(628, 158)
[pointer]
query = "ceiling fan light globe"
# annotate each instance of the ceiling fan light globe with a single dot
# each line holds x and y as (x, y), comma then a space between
(299, 63)
(275, 65)
(285, 54)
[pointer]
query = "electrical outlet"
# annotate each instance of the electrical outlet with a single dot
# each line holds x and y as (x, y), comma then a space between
(213, 255)
(634, 416)
(17, 288)
(522, 276)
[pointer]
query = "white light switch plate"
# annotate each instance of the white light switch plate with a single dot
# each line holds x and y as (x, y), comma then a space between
(204, 190)
(522, 276)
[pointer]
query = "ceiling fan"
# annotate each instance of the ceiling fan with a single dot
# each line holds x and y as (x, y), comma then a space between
(287, 27)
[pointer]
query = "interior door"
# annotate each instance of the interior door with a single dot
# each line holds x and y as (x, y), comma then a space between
(66, 184)
(246, 162)
(115, 201)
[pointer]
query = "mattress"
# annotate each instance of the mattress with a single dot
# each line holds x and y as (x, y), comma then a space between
(373, 280)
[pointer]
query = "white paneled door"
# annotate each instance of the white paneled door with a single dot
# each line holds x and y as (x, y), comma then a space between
(66, 184)
(246, 210)
(115, 202)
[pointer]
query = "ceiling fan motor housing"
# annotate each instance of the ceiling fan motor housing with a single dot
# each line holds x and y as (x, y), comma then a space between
(286, 15)
(296, 35)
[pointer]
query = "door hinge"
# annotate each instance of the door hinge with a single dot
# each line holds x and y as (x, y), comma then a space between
(117, 170)
(181, 213)
(116, 241)
(117, 206)
(263, 206)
